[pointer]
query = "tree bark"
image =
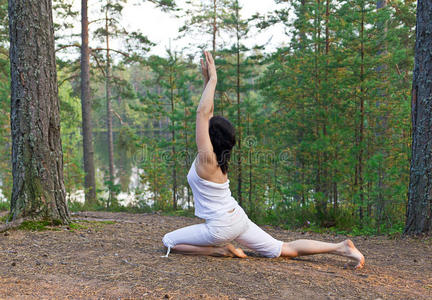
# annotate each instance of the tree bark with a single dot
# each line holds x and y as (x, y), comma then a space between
(173, 149)
(419, 210)
(109, 111)
(239, 165)
(89, 168)
(37, 158)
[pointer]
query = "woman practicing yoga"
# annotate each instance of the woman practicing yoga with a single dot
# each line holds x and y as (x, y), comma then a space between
(226, 221)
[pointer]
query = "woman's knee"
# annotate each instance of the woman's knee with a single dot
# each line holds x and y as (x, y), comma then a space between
(167, 241)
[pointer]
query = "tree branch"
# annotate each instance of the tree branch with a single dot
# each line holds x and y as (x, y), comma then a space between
(114, 50)
(67, 79)
(68, 46)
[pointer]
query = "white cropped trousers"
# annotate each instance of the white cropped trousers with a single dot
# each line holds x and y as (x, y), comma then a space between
(232, 226)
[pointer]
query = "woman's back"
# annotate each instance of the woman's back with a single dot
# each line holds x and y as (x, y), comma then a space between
(211, 199)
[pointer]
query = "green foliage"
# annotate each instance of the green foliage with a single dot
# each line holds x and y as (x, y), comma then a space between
(324, 120)
(4, 206)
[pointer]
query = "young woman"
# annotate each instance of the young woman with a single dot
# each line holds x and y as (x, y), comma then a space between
(225, 220)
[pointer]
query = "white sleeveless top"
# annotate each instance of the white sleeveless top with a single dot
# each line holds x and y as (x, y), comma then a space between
(211, 199)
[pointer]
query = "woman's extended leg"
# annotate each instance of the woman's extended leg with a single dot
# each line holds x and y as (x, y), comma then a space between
(310, 247)
(257, 239)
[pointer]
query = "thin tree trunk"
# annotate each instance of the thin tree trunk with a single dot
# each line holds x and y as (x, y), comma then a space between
(381, 127)
(361, 129)
(419, 210)
(250, 168)
(89, 169)
(239, 166)
(37, 158)
(214, 27)
(320, 176)
(186, 114)
(174, 167)
(109, 111)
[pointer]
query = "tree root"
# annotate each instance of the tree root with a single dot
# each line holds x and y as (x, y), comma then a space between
(11, 225)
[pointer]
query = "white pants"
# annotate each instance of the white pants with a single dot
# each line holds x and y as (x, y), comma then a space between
(231, 226)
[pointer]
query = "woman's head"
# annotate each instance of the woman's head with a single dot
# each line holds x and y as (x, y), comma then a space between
(222, 136)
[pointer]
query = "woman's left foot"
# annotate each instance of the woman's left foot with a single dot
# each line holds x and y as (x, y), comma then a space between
(233, 251)
(350, 251)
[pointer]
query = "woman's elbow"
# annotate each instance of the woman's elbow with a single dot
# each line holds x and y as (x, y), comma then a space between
(204, 112)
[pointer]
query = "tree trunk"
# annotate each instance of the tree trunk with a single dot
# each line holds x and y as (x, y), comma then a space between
(419, 210)
(239, 166)
(37, 158)
(361, 129)
(214, 28)
(109, 111)
(173, 149)
(89, 169)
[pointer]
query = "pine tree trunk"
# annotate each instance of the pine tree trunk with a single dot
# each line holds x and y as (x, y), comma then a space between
(361, 129)
(89, 169)
(239, 165)
(214, 28)
(173, 149)
(419, 210)
(37, 158)
(109, 112)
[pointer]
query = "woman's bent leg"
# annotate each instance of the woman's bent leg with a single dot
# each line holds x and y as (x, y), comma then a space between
(197, 240)
(227, 250)
(310, 247)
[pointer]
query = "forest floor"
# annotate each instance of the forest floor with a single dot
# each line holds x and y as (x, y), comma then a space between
(118, 255)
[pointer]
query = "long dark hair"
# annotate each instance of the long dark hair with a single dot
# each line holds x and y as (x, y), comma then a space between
(222, 136)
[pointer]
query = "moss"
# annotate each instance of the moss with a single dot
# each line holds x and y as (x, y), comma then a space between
(4, 218)
(38, 226)
(77, 226)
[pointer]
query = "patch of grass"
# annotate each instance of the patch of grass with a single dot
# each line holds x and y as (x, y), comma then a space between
(105, 222)
(89, 224)
(4, 218)
(77, 226)
(4, 206)
(40, 225)
(179, 213)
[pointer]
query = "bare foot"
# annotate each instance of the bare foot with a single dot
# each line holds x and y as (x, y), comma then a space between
(233, 251)
(349, 250)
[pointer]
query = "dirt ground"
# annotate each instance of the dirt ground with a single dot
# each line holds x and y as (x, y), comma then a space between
(122, 259)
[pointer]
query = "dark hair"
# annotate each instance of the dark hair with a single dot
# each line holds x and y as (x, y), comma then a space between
(222, 136)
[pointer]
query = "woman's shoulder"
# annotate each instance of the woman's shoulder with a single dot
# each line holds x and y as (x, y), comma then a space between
(208, 169)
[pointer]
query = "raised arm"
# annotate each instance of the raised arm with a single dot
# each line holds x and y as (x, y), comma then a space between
(205, 109)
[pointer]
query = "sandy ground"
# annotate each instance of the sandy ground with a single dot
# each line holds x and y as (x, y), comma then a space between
(123, 260)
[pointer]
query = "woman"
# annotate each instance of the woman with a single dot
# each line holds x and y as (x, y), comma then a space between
(225, 219)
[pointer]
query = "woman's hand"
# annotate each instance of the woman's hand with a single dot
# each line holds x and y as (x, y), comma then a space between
(204, 71)
(211, 67)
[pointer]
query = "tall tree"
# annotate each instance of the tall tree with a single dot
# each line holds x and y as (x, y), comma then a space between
(419, 214)
(135, 45)
(37, 159)
(89, 167)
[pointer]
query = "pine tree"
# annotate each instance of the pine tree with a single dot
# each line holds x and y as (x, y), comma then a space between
(419, 214)
(37, 159)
